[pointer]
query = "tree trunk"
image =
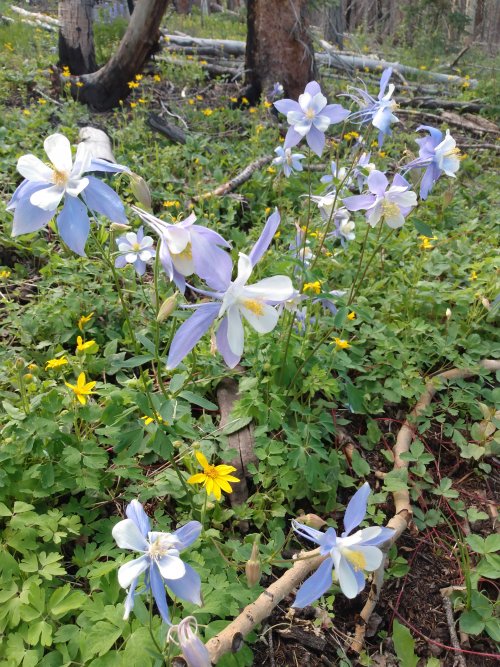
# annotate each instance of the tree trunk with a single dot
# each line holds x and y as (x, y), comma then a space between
(105, 88)
(183, 6)
(334, 23)
(76, 36)
(279, 47)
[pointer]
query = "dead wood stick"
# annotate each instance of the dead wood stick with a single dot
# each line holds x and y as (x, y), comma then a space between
(231, 638)
(459, 658)
(436, 103)
(238, 180)
(403, 511)
(175, 134)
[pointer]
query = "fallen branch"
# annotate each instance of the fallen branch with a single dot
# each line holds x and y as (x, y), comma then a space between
(459, 658)
(436, 103)
(231, 638)
(403, 511)
(174, 133)
(238, 180)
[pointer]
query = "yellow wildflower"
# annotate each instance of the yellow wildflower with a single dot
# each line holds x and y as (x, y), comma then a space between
(157, 78)
(85, 319)
(267, 210)
(139, 77)
(191, 101)
(42, 101)
(141, 100)
(423, 67)
(5, 274)
(253, 110)
(149, 420)
(79, 84)
(233, 99)
(267, 104)
(473, 275)
(81, 345)
(466, 84)
(9, 46)
(133, 105)
(203, 62)
(351, 316)
(426, 242)
(312, 287)
(215, 479)
(26, 112)
(169, 204)
(259, 129)
(81, 389)
(244, 100)
(382, 154)
(199, 97)
(55, 363)
(65, 71)
(207, 112)
(341, 344)
(132, 85)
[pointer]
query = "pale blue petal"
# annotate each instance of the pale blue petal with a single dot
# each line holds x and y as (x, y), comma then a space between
(356, 509)
(140, 266)
(98, 164)
(400, 181)
(284, 106)
(335, 112)
(73, 225)
(308, 532)
(188, 534)
(316, 586)
(29, 218)
(267, 235)
(292, 138)
(129, 600)
(328, 541)
(228, 355)
(212, 235)
(211, 263)
(430, 176)
(377, 182)
(358, 202)
(190, 332)
(136, 513)
(385, 535)
(316, 140)
(120, 262)
(128, 535)
(384, 80)
(102, 199)
(159, 593)
(437, 135)
(187, 587)
(24, 191)
(313, 88)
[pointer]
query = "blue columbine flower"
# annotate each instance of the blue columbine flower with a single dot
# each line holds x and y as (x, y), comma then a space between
(37, 198)
(255, 303)
(288, 161)
(391, 204)
(135, 249)
(350, 555)
(187, 249)
(378, 112)
(193, 649)
(160, 560)
(437, 155)
(310, 117)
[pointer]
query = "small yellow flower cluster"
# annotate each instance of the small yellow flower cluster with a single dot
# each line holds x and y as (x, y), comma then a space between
(349, 136)
(65, 71)
(199, 97)
(79, 84)
(207, 112)
(169, 204)
(132, 85)
(253, 110)
(312, 287)
(5, 274)
(141, 100)
(473, 275)
(133, 105)
(271, 170)
(382, 154)
(55, 363)
(26, 112)
(341, 344)
(233, 99)
(42, 101)
(267, 105)
(426, 242)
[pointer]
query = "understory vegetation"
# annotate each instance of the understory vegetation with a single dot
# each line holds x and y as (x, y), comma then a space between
(379, 312)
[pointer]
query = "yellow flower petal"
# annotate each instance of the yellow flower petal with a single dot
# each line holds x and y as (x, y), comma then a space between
(216, 490)
(201, 458)
(224, 485)
(209, 485)
(224, 469)
(230, 478)
(199, 478)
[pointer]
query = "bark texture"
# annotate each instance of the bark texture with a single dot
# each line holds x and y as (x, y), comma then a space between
(278, 47)
(106, 87)
(76, 36)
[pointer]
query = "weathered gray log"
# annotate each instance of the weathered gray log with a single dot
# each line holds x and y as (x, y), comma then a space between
(175, 134)
(98, 142)
(44, 18)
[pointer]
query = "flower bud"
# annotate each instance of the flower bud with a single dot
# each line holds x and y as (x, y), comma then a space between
(448, 313)
(119, 227)
(167, 308)
(140, 190)
(193, 649)
(486, 303)
(252, 568)
(312, 520)
(20, 364)
(28, 377)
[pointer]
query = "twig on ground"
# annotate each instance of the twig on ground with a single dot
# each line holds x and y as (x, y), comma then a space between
(459, 658)
(238, 180)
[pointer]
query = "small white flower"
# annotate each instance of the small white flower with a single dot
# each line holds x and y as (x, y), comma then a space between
(135, 249)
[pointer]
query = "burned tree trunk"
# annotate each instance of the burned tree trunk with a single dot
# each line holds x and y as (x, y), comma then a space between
(106, 87)
(76, 36)
(278, 47)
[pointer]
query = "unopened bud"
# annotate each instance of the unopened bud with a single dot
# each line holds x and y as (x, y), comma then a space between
(167, 308)
(20, 364)
(448, 313)
(140, 190)
(28, 377)
(486, 303)
(312, 520)
(119, 227)
(252, 567)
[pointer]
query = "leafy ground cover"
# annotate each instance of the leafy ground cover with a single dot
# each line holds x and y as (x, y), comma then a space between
(327, 391)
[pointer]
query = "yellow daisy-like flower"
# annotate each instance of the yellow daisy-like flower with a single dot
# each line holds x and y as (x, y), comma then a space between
(351, 316)
(132, 84)
(426, 242)
(81, 389)
(55, 363)
(207, 112)
(5, 274)
(81, 346)
(312, 287)
(85, 319)
(341, 344)
(215, 479)
(157, 78)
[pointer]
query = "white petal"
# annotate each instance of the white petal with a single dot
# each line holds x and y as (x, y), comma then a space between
(244, 269)
(277, 288)
(235, 333)
(347, 578)
(128, 536)
(395, 220)
(404, 199)
(131, 257)
(305, 102)
(374, 214)
(177, 238)
(265, 321)
(372, 555)
(171, 567)
(184, 265)
(130, 571)
(82, 160)
(76, 185)
(321, 123)
(318, 102)
(34, 169)
(48, 199)
(58, 149)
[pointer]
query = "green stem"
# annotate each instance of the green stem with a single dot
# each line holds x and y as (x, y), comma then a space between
(155, 642)
(378, 247)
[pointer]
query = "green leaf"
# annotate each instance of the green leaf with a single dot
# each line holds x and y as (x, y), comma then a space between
(359, 465)
(492, 627)
(492, 543)
(355, 398)
(4, 510)
(193, 398)
(139, 360)
(63, 600)
(471, 623)
(476, 543)
(235, 425)
(404, 645)
(422, 228)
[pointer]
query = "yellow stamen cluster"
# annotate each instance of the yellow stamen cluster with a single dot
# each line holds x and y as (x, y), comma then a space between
(257, 307)
(356, 558)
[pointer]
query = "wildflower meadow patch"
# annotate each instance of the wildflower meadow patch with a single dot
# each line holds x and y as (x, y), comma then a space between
(218, 417)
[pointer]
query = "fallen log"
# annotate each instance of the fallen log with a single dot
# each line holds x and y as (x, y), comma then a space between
(174, 133)
(436, 103)
(238, 180)
(36, 16)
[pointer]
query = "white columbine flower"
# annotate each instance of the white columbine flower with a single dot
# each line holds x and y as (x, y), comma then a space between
(135, 249)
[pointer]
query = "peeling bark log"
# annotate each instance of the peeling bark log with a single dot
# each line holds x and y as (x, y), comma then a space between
(98, 143)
